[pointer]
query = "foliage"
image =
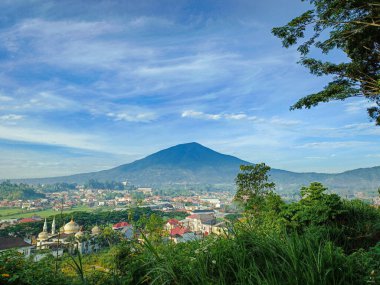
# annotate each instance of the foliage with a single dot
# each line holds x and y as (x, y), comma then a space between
(251, 258)
(352, 26)
(320, 239)
(154, 227)
(314, 208)
(349, 224)
(252, 184)
(56, 187)
(10, 191)
(112, 185)
(15, 269)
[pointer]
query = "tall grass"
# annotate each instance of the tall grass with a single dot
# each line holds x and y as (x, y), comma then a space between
(250, 258)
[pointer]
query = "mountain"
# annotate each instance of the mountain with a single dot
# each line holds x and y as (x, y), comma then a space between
(193, 163)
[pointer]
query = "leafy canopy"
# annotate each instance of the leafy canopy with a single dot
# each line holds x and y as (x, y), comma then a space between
(252, 184)
(352, 26)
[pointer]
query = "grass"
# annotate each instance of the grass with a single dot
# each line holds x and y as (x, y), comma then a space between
(4, 212)
(16, 213)
(248, 258)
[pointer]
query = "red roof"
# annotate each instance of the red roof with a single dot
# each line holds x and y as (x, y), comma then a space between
(173, 222)
(193, 216)
(27, 220)
(120, 225)
(178, 231)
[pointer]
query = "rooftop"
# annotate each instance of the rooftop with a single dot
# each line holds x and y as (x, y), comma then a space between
(12, 242)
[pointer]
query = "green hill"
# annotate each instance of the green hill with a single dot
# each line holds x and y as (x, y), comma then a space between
(9, 191)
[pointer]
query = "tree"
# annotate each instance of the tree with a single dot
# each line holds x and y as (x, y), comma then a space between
(314, 208)
(352, 26)
(154, 227)
(252, 184)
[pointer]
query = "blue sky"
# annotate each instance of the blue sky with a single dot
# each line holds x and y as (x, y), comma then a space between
(88, 85)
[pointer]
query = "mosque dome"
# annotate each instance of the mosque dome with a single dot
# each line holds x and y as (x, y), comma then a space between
(71, 227)
(43, 236)
(95, 230)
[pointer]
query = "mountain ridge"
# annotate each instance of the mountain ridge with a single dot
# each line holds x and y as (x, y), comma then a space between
(193, 163)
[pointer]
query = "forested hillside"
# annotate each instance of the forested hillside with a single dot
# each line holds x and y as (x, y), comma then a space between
(12, 191)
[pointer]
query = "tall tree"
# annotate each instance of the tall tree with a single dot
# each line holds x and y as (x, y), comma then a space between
(352, 26)
(252, 184)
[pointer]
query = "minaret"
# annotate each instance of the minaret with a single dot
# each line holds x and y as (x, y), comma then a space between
(45, 229)
(53, 227)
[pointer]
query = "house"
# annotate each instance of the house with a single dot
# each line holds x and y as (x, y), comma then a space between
(172, 223)
(9, 243)
(207, 226)
(125, 229)
(180, 234)
(195, 221)
(145, 190)
(29, 220)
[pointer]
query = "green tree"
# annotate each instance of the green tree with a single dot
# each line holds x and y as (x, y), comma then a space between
(253, 185)
(154, 227)
(110, 236)
(352, 26)
(315, 207)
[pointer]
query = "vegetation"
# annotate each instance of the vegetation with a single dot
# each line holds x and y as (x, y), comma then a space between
(352, 26)
(10, 191)
(56, 187)
(253, 185)
(16, 213)
(320, 239)
(112, 185)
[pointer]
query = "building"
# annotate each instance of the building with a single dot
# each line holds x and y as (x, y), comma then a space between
(16, 243)
(180, 234)
(70, 236)
(125, 229)
(195, 222)
(145, 190)
(215, 202)
(171, 224)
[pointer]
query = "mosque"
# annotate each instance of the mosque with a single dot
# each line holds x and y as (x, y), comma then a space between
(70, 236)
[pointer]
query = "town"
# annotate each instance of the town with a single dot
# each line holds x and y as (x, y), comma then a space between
(198, 215)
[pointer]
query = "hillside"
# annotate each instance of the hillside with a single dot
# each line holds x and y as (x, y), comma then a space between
(9, 191)
(193, 163)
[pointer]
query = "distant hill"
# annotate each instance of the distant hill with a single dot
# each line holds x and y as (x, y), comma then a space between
(193, 163)
(9, 191)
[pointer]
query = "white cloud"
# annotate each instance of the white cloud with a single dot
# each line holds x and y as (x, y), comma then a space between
(275, 121)
(72, 44)
(5, 98)
(334, 144)
(358, 106)
(11, 117)
(200, 115)
(133, 117)
(45, 100)
(206, 116)
(52, 137)
(284, 122)
(373, 155)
